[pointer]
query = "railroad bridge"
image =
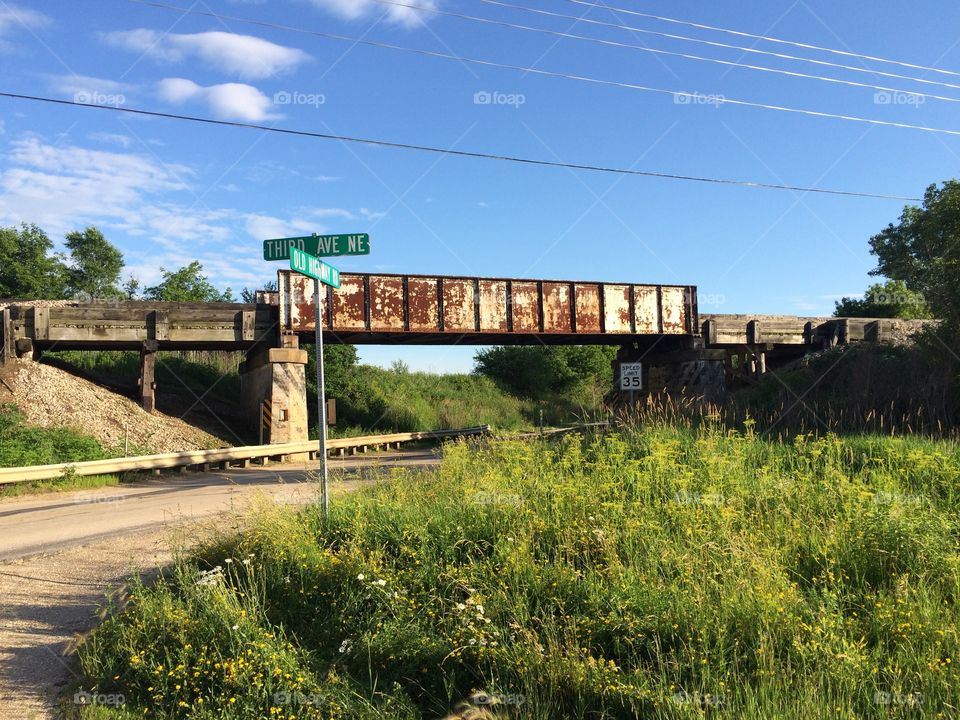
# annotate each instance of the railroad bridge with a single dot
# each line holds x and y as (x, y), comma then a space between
(657, 325)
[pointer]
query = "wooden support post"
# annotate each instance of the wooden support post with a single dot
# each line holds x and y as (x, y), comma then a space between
(7, 351)
(761, 364)
(148, 385)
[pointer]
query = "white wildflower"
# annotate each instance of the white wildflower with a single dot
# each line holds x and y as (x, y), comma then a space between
(361, 576)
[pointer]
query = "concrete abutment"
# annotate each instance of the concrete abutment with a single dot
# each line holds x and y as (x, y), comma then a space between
(276, 376)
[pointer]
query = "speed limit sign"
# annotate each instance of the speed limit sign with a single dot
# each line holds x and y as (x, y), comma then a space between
(631, 376)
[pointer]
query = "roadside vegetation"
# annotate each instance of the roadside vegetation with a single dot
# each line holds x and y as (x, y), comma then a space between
(661, 572)
(22, 444)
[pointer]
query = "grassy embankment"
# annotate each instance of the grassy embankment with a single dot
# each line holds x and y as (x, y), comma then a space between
(661, 573)
(22, 444)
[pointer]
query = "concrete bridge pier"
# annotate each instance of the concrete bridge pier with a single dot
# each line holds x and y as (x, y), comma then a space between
(692, 371)
(277, 376)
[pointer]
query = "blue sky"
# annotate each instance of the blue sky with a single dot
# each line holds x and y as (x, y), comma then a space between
(169, 192)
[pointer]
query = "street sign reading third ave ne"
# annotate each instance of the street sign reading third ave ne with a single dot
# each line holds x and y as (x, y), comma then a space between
(318, 246)
(302, 262)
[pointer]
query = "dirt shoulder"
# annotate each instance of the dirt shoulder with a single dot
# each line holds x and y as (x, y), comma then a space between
(49, 602)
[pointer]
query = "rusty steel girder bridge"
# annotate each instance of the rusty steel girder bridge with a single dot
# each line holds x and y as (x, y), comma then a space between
(431, 309)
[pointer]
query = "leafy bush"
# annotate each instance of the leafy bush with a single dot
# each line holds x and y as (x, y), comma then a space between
(661, 573)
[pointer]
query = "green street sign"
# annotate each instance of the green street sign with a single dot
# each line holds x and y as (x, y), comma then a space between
(311, 266)
(318, 246)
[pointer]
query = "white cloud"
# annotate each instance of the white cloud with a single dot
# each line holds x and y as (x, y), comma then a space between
(230, 101)
(356, 9)
(246, 56)
(76, 84)
(15, 20)
(265, 227)
(62, 187)
(112, 138)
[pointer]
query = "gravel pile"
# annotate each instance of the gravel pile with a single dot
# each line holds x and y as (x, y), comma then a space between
(50, 397)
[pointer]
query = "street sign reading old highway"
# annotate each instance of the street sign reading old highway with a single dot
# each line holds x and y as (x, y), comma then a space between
(311, 266)
(318, 246)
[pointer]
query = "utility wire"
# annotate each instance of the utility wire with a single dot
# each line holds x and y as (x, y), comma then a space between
(714, 43)
(449, 151)
(692, 96)
(806, 46)
(658, 51)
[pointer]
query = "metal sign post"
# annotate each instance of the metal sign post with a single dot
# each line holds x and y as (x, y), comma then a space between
(321, 399)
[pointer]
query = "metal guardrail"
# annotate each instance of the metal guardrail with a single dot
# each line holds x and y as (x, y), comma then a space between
(204, 459)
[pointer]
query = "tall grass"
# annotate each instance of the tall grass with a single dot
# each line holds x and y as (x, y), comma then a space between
(658, 573)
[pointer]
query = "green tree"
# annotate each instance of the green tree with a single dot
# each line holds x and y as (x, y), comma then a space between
(535, 371)
(95, 264)
(249, 295)
(891, 299)
(188, 284)
(339, 367)
(28, 269)
(923, 250)
(131, 288)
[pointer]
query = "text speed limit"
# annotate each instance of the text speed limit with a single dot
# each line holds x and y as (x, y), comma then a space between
(631, 376)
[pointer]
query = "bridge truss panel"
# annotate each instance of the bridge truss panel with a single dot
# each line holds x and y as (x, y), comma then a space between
(378, 308)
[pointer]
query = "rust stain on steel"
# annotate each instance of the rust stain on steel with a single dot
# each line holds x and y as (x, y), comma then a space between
(525, 311)
(674, 310)
(556, 308)
(386, 304)
(348, 304)
(481, 305)
(645, 309)
(493, 306)
(458, 313)
(587, 299)
(616, 306)
(301, 302)
(422, 293)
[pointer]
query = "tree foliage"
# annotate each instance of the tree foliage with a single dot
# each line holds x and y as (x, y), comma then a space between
(28, 268)
(535, 371)
(892, 299)
(188, 284)
(95, 264)
(923, 250)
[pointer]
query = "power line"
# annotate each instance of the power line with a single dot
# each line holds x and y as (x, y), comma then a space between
(450, 151)
(659, 51)
(806, 46)
(691, 96)
(714, 43)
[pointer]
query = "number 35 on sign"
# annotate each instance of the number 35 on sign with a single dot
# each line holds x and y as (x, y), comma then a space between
(631, 376)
